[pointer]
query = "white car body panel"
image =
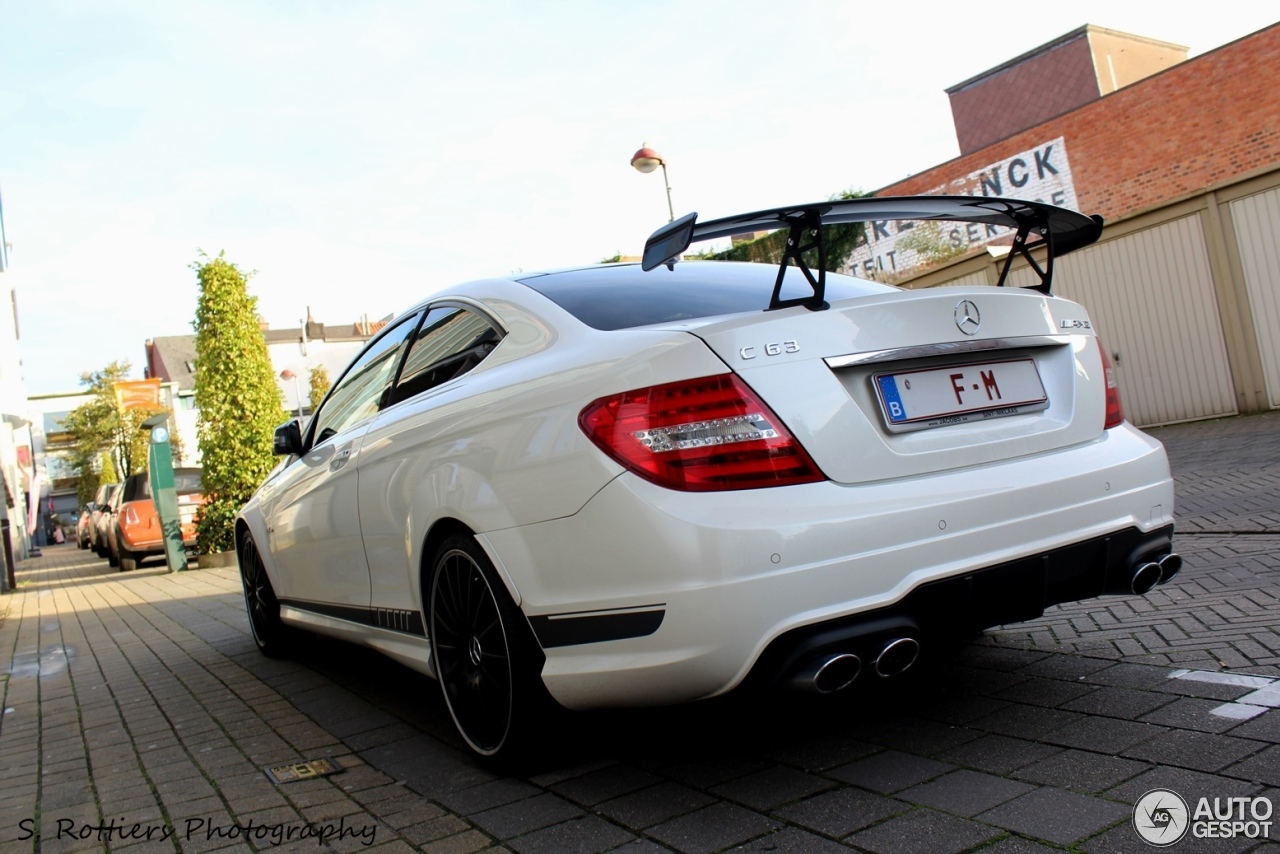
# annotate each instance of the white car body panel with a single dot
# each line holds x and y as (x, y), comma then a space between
(314, 536)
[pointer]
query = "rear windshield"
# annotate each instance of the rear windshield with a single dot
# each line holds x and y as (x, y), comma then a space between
(185, 484)
(603, 299)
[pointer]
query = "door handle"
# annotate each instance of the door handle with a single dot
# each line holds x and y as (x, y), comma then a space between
(340, 459)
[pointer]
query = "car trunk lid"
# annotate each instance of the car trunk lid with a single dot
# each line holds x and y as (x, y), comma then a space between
(831, 376)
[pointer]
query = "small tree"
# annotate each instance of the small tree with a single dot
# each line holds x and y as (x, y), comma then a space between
(107, 436)
(931, 245)
(840, 240)
(108, 473)
(237, 397)
(319, 379)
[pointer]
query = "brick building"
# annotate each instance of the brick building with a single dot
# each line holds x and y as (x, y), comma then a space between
(1063, 75)
(1184, 165)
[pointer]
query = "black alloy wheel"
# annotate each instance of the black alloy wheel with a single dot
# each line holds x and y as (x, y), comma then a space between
(269, 632)
(485, 658)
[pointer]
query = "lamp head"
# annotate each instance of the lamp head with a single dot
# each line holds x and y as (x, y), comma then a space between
(645, 160)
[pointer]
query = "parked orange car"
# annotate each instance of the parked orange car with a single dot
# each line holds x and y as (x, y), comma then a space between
(135, 527)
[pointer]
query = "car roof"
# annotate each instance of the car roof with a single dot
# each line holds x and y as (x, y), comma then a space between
(136, 485)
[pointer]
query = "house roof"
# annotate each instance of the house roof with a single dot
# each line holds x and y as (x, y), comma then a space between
(172, 358)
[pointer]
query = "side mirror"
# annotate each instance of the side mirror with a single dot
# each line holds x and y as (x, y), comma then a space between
(288, 439)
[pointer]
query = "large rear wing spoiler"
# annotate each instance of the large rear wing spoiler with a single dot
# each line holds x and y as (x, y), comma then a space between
(1035, 224)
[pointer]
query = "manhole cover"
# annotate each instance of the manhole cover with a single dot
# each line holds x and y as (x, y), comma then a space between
(302, 770)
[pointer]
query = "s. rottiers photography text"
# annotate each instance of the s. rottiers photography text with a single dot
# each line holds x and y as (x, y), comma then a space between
(121, 830)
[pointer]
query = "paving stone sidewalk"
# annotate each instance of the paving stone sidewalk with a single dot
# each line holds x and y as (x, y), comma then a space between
(136, 702)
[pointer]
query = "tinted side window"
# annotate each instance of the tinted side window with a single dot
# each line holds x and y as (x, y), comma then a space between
(451, 342)
(361, 391)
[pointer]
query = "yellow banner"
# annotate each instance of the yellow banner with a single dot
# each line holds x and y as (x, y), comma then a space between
(138, 394)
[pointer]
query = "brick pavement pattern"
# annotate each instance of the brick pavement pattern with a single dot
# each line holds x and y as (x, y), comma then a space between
(137, 703)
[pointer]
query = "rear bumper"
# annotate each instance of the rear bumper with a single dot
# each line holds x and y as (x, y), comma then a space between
(146, 546)
(654, 596)
(959, 606)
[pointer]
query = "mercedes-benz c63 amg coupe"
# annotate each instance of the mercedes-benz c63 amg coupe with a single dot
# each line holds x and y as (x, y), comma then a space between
(651, 483)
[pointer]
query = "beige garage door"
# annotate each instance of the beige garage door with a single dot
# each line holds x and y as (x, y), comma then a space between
(1257, 226)
(1150, 296)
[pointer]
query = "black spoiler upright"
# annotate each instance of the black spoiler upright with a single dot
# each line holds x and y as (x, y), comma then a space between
(1059, 230)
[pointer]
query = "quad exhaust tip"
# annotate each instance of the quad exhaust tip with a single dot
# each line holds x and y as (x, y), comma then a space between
(896, 657)
(1145, 577)
(829, 673)
(1154, 572)
(836, 673)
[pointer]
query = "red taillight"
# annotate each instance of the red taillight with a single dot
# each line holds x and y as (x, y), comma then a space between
(1115, 412)
(700, 435)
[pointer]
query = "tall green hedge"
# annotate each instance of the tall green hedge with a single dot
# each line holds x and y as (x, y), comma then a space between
(237, 397)
(319, 386)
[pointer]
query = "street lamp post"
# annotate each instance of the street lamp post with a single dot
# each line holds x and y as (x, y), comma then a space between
(646, 160)
(290, 374)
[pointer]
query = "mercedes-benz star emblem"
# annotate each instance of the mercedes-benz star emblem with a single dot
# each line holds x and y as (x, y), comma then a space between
(968, 318)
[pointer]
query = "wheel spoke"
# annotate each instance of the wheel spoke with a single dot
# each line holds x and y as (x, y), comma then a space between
(482, 632)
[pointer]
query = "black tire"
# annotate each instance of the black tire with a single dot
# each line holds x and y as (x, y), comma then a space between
(273, 637)
(484, 654)
(112, 558)
(128, 563)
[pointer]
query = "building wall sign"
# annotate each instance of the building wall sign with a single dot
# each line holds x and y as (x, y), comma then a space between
(138, 394)
(897, 249)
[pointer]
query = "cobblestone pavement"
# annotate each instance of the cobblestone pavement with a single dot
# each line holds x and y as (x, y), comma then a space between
(138, 716)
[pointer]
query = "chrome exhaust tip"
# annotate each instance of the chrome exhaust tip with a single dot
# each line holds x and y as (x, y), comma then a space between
(1145, 577)
(896, 657)
(1170, 565)
(837, 673)
(828, 674)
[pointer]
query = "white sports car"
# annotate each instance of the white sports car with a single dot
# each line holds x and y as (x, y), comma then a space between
(642, 484)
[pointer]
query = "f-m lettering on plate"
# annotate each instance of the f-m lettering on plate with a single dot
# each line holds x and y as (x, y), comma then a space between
(989, 385)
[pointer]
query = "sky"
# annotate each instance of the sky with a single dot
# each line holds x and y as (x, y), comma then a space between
(356, 157)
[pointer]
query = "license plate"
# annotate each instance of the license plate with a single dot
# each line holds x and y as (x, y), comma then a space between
(935, 397)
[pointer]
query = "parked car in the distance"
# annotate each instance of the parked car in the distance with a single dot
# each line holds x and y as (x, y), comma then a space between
(135, 531)
(84, 527)
(99, 516)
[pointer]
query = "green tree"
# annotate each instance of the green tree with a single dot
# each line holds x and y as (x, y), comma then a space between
(108, 438)
(840, 240)
(108, 472)
(931, 245)
(319, 382)
(237, 397)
